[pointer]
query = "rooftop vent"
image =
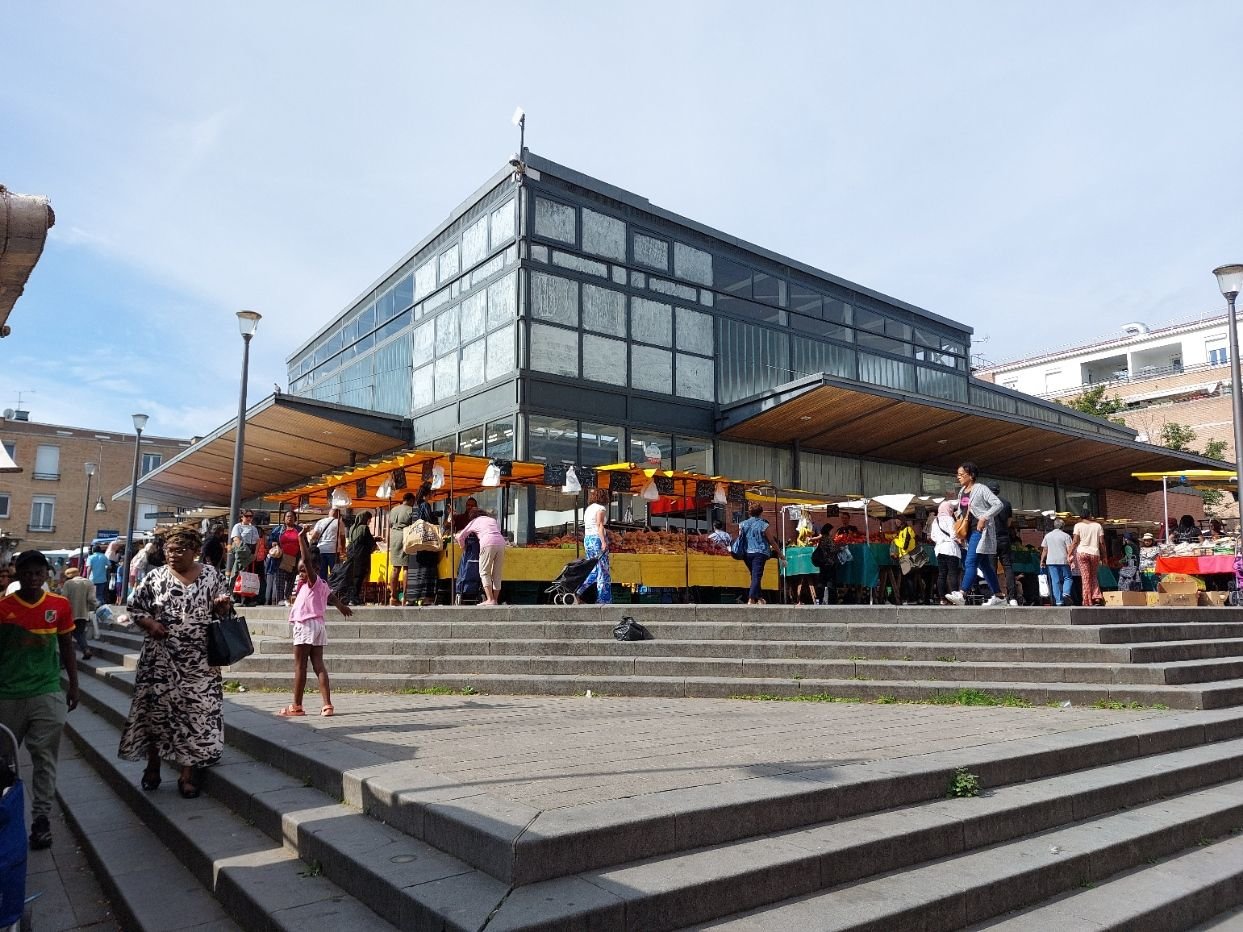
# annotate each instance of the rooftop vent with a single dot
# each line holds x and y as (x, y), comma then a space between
(1135, 329)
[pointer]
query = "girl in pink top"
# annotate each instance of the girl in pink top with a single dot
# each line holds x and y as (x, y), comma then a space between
(310, 633)
(491, 552)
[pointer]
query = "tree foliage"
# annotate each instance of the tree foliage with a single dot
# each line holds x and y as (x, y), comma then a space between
(1177, 436)
(1093, 401)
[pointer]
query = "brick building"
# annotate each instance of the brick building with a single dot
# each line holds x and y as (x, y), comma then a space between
(42, 506)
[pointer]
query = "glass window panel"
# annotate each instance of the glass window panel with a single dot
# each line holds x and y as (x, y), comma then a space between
(447, 339)
(873, 341)
(645, 447)
(619, 275)
(695, 377)
(475, 243)
(604, 360)
(438, 300)
(472, 365)
(554, 349)
(386, 307)
(941, 384)
(424, 342)
(568, 260)
(685, 292)
(651, 369)
(555, 221)
(732, 277)
(892, 373)
(869, 320)
(811, 357)
(694, 331)
(705, 298)
(501, 359)
(693, 454)
(552, 440)
(500, 439)
(750, 359)
(445, 444)
(770, 289)
(470, 441)
(836, 311)
(446, 376)
(805, 300)
(487, 270)
(539, 252)
(601, 444)
(638, 280)
(403, 292)
(474, 315)
(424, 387)
(450, 263)
(651, 321)
(651, 252)
(692, 264)
(502, 301)
(503, 223)
(554, 299)
(897, 329)
(603, 236)
(604, 310)
(424, 280)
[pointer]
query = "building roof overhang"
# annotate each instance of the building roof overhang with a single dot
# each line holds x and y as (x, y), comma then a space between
(839, 417)
(287, 439)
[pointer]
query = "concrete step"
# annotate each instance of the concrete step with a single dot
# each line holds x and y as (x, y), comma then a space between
(259, 882)
(283, 849)
(1205, 883)
(696, 886)
(970, 888)
(520, 845)
(146, 885)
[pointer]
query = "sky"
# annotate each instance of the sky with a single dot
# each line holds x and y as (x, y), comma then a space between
(1041, 172)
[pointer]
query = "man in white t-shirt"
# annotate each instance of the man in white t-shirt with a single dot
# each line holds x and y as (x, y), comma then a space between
(326, 536)
(1054, 550)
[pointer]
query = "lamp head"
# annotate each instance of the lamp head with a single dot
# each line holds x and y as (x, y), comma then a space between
(1229, 279)
(90, 469)
(100, 506)
(248, 322)
(140, 421)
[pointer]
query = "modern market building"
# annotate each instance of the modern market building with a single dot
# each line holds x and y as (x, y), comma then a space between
(555, 317)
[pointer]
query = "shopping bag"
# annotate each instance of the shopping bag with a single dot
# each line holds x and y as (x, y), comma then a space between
(1045, 592)
(246, 584)
(420, 536)
(228, 641)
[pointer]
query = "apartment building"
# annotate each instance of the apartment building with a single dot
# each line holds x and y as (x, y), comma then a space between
(43, 506)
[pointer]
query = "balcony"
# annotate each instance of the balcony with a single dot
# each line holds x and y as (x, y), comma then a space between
(41, 528)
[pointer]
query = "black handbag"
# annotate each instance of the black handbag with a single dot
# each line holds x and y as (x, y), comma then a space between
(228, 641)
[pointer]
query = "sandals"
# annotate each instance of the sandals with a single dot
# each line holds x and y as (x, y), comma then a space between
(394, 603)
(150, 779)
(291, 711)
(187, 788)
(327, 711)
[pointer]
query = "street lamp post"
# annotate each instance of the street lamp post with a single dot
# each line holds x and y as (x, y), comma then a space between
(140, 421)
(86, 505)
(247, 323)
(1230, 281)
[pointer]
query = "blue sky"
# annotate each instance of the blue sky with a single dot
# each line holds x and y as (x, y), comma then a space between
(1042, 172)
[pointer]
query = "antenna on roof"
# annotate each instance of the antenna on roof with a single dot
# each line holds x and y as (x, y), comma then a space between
(519, 119)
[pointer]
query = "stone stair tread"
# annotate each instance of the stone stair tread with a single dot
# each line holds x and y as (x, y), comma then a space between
(147, 885)
(1152, 897)
(245, 870)
(412, 883)
(685, 887)
(969, 888)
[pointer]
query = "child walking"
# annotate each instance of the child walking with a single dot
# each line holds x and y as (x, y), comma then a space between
(310, 634)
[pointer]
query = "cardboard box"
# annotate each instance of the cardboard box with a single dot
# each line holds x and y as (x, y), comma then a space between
(1214, 598)
(1178, 599)
(1179, 583)
(1126, 598)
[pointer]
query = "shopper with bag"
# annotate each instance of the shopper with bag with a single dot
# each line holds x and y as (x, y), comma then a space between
(176, 711)
(328, 536)
(287, 566)
(949, 553)
(757, 546)
(423, 567)
(1055, 560)
(244, 538)
(978, 504)
(400, 517)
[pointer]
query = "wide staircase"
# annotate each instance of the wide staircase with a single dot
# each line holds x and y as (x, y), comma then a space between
(1121, 826)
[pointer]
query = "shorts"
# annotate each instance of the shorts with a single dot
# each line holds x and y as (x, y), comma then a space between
(396, 555)
(314, 633)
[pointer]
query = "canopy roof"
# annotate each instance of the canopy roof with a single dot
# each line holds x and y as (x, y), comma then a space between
(287, 439)
(832, 415)
(1225, 479)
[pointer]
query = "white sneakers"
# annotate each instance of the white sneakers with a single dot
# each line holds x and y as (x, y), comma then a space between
(1014, 602)
(955, 597)
(994, 600)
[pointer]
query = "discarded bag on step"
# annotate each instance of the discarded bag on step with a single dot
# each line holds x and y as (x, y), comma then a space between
(631, 630)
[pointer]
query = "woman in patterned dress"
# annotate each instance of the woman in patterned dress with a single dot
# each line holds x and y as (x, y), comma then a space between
(176, 711)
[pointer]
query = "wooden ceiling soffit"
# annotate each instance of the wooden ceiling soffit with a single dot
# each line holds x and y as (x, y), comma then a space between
(911, 427)
(836, 435)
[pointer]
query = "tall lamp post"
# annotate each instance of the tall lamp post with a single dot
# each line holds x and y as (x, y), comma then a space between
(1230, 281)
(140, 421)
(86, 504)
(247, 323)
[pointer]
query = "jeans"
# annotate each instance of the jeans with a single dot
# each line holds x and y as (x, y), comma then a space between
(80, 627)
(1059, 582)
(326, 562)
(601, 576)
(101, 592)
(755, 563)
(985, 565)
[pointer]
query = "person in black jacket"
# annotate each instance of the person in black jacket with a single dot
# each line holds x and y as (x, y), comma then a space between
(1001, 524)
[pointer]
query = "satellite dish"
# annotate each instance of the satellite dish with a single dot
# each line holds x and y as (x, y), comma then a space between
(8, 414)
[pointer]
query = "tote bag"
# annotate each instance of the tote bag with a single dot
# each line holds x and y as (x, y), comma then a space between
(228, 641)
(421, 536)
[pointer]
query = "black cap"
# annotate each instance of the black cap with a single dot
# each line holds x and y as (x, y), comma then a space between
(996, 489)
(31, 556)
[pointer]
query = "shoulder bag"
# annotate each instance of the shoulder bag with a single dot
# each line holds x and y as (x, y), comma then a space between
(228, 641)
(421, 536)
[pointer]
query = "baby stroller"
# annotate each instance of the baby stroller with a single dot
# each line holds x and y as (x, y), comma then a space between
(564, 589)
(469, 585)
(14, 912)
